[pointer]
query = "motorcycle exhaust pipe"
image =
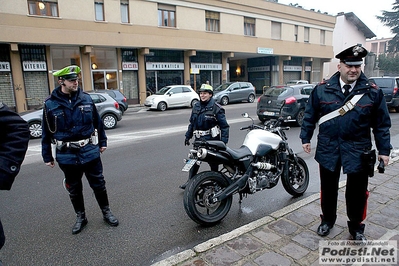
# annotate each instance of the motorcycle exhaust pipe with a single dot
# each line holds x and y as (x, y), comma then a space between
(209, 156)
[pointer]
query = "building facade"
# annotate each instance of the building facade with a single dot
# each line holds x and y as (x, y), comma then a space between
(138, 46)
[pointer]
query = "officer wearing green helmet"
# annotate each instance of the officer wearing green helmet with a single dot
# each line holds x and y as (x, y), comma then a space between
(72, 123)
(207, 122)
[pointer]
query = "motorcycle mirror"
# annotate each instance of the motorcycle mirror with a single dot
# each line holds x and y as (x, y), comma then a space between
(245, 115)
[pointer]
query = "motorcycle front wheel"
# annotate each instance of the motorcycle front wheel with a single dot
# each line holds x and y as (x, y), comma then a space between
(197, 197)
(297, 180)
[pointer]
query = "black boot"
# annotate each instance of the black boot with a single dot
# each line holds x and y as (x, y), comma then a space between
(102, 199)
(80, 223)
(81, 220)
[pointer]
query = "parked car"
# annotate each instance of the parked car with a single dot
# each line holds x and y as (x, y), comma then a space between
(172, 96)
(389, 85)
(117, 96)
(234, 92)
(107, 108)
(285, 101)
(297, 82)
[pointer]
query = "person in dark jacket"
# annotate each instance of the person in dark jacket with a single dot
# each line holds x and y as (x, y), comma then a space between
(14, 139)
(344, 135)
(72, 124)
(207, 122)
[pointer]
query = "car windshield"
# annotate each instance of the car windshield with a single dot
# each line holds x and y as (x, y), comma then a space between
(273, 91)
(163, 91)
(383, 83)
(222, 87)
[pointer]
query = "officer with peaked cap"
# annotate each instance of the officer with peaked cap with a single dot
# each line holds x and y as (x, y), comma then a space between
(207, 122)
(347, 108)
(71, 122)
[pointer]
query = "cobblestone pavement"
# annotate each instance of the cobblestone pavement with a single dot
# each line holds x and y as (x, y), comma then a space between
(288, 236)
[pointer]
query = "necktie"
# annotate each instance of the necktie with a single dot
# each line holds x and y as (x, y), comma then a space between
(346, 88)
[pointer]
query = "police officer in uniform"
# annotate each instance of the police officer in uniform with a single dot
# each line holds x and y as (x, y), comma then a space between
(207, 122)
(14, 139)
(345, 136)
(72, 124)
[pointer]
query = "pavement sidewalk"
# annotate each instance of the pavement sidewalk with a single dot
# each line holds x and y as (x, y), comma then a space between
(288, 236)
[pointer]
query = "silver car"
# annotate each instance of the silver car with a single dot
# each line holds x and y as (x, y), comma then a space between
(107, 108)
(234, 92)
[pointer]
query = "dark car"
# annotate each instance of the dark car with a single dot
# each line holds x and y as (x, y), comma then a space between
(117, 96)
(284, 101)
(234, 92)
(389, 85)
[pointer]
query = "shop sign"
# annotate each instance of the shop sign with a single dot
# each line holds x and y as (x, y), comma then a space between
(205, 66)
(259, 69)
(262, 50)
(164, 66)
(34, 66)
(5, 66)
(130, 66)
(292, 68)
(308, 68)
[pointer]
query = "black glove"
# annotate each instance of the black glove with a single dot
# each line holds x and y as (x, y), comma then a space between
(187, 142)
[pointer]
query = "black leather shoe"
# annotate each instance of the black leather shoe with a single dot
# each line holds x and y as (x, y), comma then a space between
(323, 229)
(360, 237)
(80, 223)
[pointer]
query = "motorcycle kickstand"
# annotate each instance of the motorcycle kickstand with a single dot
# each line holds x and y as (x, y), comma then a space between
(240, 200)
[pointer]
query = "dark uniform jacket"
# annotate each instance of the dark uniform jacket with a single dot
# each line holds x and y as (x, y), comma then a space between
(14, 138)
(344, 138)
(205, 116)
(71, 118)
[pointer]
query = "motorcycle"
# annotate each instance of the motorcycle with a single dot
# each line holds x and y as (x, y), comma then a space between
(258, 164)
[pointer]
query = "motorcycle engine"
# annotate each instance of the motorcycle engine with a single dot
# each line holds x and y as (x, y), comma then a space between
(265, 179)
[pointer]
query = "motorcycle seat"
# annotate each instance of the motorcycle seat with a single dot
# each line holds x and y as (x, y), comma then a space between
(217, 144)
(239, 153)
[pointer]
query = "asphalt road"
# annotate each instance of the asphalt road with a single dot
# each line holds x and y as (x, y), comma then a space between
(142, 167)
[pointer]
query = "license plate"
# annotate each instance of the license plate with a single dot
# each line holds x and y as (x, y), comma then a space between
(269, 113)
(188, 165)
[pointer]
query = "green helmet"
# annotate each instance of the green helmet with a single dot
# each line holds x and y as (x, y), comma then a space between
(207, 88)
(69, 72)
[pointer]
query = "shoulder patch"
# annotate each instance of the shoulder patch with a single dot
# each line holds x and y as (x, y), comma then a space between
(373, 85)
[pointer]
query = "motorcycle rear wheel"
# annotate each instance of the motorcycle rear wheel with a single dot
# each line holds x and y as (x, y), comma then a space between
(297, 180)
(197, 194)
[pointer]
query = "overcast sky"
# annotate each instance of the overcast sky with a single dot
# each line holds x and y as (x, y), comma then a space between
(366, 12)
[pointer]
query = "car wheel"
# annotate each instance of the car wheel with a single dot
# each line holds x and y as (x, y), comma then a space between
(224, 100)
(109, 121)
(193, 102)
(251, 98)
(161, 106)
(35, 129)
(299, 117)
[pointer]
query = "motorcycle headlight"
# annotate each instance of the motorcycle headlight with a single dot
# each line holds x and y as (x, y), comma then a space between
(201, 154)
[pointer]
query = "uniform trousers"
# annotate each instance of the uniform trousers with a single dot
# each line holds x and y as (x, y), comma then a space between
(356, 195)
(93, 171)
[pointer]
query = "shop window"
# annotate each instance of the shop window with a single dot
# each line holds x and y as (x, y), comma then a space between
(212, 21)
(249, 26)
(99, 10)
(166, 16)
(32, 53)
(125, 11)
(47, 8)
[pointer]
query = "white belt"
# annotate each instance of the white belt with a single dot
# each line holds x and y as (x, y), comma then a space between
(80, 143)
(349, 105)
(201, 133)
